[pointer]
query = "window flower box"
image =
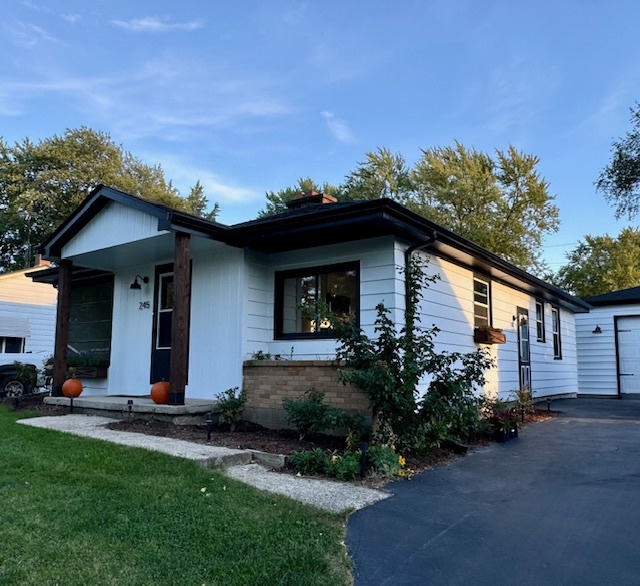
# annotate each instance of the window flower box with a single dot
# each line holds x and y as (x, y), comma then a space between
(88, 371)
(489, 335)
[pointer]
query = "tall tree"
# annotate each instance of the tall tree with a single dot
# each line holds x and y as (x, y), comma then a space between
(501, 203)
(277, 200)
(600, 264)
(41, 184)
(620, 179)
(197, 203)
(382, 174)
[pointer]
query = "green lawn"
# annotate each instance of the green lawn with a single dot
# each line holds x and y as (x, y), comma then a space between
(81, 511)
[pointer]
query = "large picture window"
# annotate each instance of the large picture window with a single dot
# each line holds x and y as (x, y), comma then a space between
(307, 299)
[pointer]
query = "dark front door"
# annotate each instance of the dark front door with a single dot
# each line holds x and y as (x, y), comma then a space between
(524, 348)
(162, 318)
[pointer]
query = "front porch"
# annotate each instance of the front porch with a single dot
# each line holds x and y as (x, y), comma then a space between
(193, 412)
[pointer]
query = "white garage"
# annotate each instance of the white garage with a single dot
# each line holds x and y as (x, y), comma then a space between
(608, 345)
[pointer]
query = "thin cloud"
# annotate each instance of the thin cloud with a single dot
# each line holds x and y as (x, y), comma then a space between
(153, 24)
(338, 128)
(157, 98)
(29, 35)
(216, 187)
(72, 18)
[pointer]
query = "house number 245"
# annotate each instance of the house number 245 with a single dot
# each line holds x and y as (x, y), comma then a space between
(144, 305)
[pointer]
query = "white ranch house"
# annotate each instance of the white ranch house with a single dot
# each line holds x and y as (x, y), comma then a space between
(191, 300)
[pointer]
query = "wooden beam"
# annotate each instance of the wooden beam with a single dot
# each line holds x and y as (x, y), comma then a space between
(181, 314)
(62, 328)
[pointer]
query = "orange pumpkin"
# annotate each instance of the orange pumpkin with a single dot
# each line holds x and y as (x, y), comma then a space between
(160, 392)
(72, 388)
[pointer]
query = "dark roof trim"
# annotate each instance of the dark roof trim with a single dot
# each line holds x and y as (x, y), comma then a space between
(50, 275)
(319, 224)
(168, 219)
(622, 297)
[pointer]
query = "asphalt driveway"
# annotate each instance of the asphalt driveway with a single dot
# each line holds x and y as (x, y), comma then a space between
(558, 505)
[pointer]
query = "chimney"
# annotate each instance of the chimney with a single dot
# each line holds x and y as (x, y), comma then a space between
(301, 200)
(39, 262)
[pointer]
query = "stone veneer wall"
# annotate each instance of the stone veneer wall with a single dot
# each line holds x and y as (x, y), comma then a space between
(268, 382)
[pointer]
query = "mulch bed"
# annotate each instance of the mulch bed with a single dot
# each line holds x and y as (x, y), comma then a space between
(252, 436)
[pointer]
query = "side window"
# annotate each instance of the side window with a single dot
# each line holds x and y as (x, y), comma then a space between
(481, 301)
(305, 299)
(555, 330)
(540, 321)
(11, 345)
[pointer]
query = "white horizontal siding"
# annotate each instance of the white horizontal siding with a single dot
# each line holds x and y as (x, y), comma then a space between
(33, 304)
(448, 304)
(377, 284)
(597, 367)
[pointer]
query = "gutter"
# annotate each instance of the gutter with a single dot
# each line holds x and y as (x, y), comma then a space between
(407, 260)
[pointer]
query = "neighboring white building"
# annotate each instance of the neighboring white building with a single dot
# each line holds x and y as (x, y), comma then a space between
(609, 345)
(247, 286)
(27, 321)
(27, 314)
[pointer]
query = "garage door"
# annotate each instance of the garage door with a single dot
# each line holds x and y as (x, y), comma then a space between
(629, 354)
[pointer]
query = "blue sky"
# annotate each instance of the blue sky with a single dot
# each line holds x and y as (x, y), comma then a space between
(250, 96)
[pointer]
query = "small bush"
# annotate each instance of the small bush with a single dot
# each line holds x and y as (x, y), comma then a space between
(385, 462)
(310, 414)
(231, 404)
(523, 400)
(314, 462)
(345, 466)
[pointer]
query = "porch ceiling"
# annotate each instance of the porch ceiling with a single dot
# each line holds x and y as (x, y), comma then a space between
(150, 251)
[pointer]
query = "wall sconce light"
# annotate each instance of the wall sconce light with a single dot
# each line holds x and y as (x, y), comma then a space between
(598, 330)
(514, 319)
(136, 284)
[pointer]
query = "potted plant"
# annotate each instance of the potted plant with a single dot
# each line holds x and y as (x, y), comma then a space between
(503, 420)
(489, 335)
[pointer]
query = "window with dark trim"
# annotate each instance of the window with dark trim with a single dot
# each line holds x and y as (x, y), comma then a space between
(481, 301)
(540, 321)
(90, 318)
(306, 298)
(555, 330)
(11, 345)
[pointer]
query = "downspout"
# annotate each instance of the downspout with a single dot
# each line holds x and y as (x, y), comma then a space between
(407, 260)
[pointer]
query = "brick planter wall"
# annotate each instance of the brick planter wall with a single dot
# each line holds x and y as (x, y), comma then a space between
(268, 382)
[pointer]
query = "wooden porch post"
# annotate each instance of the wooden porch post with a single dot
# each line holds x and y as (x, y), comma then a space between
(180, 324)
(62, 328)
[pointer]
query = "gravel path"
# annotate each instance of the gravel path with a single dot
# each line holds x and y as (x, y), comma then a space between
(329, 495)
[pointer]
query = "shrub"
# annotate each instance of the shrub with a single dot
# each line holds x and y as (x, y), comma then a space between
(345, 466)
(314, 462)
(231, 404)
(385, 462)
(310, 414)
(523, 398)
(389, 369)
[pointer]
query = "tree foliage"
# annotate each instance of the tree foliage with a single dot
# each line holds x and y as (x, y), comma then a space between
(41, 184)
(601, 264)
(277, 200)
(619, 181)
(499, 202)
